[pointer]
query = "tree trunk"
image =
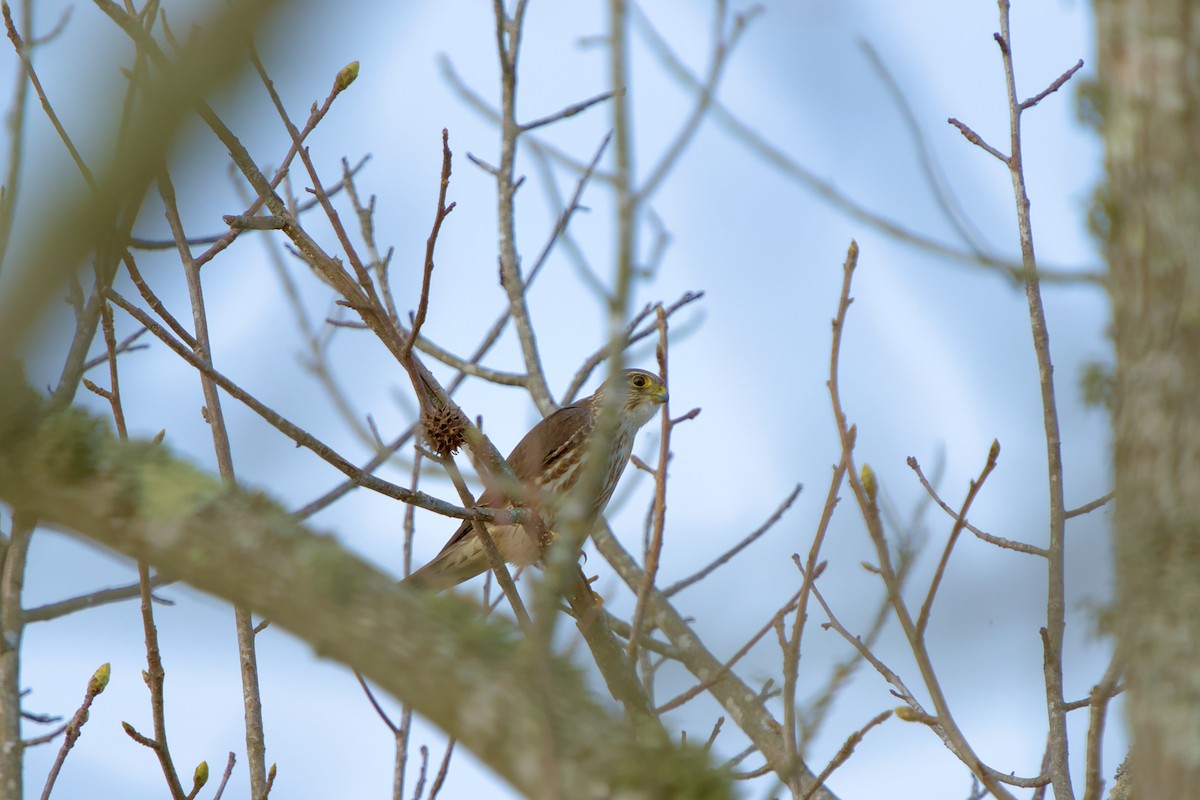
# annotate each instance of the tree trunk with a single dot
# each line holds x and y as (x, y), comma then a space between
(1149, 100)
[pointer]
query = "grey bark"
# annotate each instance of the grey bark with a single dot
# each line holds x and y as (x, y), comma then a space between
(1149, 102)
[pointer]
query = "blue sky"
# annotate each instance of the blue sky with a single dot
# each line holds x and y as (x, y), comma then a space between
(937, 360)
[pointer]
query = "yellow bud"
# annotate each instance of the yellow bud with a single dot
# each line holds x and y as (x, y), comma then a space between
(99, 679)
(200, 776)
(909, 714)
(870, 484)
(346, 76)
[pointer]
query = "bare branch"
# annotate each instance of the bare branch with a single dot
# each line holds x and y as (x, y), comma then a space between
(865, 488)
(654, 549)
(225, 777)
(126, 345)
(1053, 87)
(408, 644)
(393, 727)
(750, 538)
(304, 439)
(443, 211)
(847, 750)
(715, 677)
(211, 239)
(74, 728)
(999, 541)
(773, 155)
(632, 336)
(114, 595)
(1102, 692)
(972, 493)
(569, 111)
(1059, 769)
(1088, 508)
(23, 54)
(977, 140)
(934, 176)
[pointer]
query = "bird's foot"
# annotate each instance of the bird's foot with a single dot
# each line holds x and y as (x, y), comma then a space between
(596, 598)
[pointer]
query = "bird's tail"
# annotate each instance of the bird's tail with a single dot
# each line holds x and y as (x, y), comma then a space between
(437, 576)
(460, 560)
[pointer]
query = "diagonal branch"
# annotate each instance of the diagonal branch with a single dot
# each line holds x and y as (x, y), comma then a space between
(138, 500)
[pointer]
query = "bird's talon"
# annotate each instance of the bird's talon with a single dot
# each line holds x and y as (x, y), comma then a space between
(596, 598)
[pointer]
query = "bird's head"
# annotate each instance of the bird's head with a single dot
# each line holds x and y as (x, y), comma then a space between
(641, 394)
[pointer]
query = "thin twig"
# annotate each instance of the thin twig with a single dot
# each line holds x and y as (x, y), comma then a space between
(791, 648)
(74, 728)
(934, 176)
(318, 190)
(420, 788)
(972, 493)
(393, 727)
(23, 54)
(999, 541)
(726, 667)
(654, 550)
(977, 140)
(1053, 87)
(1103, 691)
(155, 677)
(646, 642)
(116, 594)
(304, 439)
(263, 188)
(722, 46)
(568, 211)
(154, 302)
(495, 558)
(16, 135)
(126, 345)
(443, 211)
(137, 243)
(1088, 508)
(1059, 769)
(37, 741)
(847, 750)
(508, 45)
(865, 488)
(712, 737)
(243, 623)
(773, 155)
(225, 777)
(440, 779)
(569, 111)
(632, 335)
(749, 539)
(886, 672)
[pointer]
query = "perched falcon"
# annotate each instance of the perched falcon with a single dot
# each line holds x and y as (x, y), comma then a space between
(548, 462)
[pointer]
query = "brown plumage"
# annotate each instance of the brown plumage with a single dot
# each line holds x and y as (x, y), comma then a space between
(547, 461)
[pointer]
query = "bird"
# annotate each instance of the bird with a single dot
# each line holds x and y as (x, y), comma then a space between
(548, 462)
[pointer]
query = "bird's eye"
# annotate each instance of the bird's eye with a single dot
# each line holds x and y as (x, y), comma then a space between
(639, 381)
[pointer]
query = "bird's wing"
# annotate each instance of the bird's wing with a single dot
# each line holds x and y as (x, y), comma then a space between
(545, 443)
(538, 451)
